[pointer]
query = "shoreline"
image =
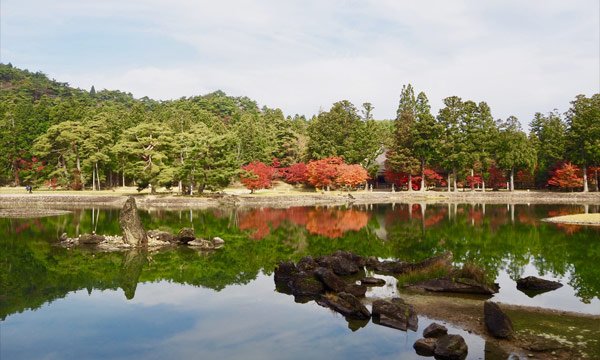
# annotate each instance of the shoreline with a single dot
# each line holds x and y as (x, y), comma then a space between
(267, 198)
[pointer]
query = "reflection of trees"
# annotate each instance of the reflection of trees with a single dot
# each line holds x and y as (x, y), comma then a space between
(328, 222)
(32, 271)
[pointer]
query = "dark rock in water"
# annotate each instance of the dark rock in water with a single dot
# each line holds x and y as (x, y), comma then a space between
(343, 266)
(330, 279)
(161, 236)
(496, 321)
(371, 281)
(356, 259)
(307, 264)
(284, 273)
(435, 330)
(425, 347)
(304, 284)
(356, 290)
(131, 225)
(346, 304)
(461, 285)
(91, 239)
(532, 285)
(451, 347)
(395, 314)
(357, 324)
(185, 235)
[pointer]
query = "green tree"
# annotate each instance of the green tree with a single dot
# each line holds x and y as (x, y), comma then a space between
(548, 135)
(426, 136)
(583, 134)
(513, 148)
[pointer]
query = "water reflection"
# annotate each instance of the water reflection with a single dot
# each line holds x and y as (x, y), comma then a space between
(508, 241)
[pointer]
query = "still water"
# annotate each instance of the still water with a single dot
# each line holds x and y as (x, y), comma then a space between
(58, 303)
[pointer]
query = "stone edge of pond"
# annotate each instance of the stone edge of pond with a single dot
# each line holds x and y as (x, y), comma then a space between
(576, 219)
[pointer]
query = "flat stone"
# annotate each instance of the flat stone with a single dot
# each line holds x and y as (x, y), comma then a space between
(395, 314)
(346, 304)
(372, 281)
(532, 285)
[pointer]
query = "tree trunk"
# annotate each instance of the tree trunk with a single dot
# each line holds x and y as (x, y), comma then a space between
(16, 172)
(79, 168)
(454, 180)
(512, 179)
(597, 180)
(448, 181)
(93, 179)
(410, 182)
(423, 188)
(123, 177)
(180, 187)
(472, 184)
(585, 180)
(482, 184)
(97, 176)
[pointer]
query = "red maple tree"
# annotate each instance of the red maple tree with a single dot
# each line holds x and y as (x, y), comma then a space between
(322, 173)
(566, 177)
(257, 175)
(497, 180)
(294, 174)
(351, 176)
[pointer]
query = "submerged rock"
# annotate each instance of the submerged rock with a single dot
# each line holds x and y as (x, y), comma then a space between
(532, 285)
(395, 314)
(496, 321)
(131, 225)
(435, 330)
(461, 285)
(346, 304)
(451, 347)
(425, 347)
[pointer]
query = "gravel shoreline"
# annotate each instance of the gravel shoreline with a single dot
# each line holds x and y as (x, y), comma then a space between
(265, 199)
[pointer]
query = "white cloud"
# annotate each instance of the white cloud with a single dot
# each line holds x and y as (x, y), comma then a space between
(520, 57)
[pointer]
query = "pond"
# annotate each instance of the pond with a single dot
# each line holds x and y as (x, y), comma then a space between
(182, 303)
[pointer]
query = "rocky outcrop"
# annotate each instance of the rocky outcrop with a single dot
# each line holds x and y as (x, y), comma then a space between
(496, 321)
(532, 285)
(395, 314)
(435, 330)
(450, 347)
(134, 233)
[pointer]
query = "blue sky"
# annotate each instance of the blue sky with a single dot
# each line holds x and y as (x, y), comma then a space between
(519, 56)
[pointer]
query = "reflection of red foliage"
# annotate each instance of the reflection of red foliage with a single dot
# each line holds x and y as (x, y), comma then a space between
(476, 216)
(332, 223)
(322, 173)
(257, 175)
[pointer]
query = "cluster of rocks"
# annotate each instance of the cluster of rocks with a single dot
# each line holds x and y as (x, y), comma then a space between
(134, 235)
(437, 342)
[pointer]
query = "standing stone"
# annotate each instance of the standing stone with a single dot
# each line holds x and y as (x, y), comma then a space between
(496, 321)
(131, 225)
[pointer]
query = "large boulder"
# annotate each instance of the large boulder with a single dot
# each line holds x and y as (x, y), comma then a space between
(435, 330)
(131, 225)
(532, 285)
(496, 321)
(451, 347)
(330, 279)
(346, 304)
(425, 347)
(305, 284)
(185, 235)
(395, 314)
(307, 264)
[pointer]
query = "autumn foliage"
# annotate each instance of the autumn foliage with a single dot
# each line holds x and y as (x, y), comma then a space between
(350, 176)
(257, 175)
(294, 174)
(332, 171)
(566, 177)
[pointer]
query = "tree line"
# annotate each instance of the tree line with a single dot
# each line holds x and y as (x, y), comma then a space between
(54, 135)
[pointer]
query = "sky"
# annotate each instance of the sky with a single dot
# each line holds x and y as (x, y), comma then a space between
(521, 57)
